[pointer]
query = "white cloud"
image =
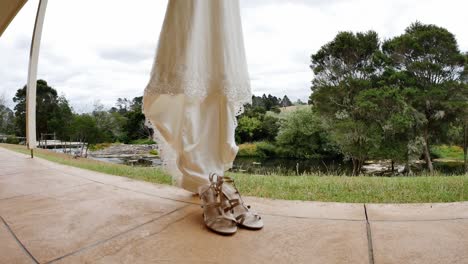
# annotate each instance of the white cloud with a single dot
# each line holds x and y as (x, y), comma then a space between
(102, 50)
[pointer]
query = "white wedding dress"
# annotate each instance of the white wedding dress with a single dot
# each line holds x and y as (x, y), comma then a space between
(199, 83)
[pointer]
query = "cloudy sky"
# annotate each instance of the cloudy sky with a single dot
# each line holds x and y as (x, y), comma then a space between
(102, 50)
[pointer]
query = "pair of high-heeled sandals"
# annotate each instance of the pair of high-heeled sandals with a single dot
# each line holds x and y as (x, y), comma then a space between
(223, 207)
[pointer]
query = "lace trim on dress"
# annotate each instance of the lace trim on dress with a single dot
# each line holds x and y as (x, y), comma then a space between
(180, 80)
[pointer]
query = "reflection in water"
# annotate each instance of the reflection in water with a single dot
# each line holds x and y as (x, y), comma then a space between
(283, 166)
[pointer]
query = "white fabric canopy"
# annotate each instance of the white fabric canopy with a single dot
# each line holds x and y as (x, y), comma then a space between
(198, 85)
(8, 11)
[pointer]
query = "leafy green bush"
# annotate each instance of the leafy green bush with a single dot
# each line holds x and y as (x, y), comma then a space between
(143, 141)
(248, 128)
(154, 152)
(260, 149)
(99, 146)
(12, 140)
(447, 152)
(301, 135)
(247, 150)
(266, 149)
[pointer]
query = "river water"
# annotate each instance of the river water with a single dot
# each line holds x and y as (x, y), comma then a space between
(278, 166)
(284, 166)
(281, 166)
(253, 165)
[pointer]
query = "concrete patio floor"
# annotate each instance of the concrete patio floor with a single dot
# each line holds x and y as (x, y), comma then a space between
(50, 213)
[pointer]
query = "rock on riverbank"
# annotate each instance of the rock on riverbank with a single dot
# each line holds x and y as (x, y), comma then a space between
(125, 150)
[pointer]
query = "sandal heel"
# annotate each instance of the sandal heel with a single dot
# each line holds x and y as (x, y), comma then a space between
(215, 216)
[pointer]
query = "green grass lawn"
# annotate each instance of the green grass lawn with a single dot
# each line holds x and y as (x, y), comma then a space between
(140, 173)
(364, 189)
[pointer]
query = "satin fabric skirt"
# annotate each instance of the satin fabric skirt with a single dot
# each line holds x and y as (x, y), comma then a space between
(197, 136)
(198, 85)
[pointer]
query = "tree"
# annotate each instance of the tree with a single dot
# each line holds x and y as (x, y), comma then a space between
(269, 128)
(394, 120)
(270, 103)
(135, 126)
(464, 113)
(6, 118)
(247, 128)
(285, 102)
(299, 102)
(256, 123)
(123, 105)
(465, 145)
(301, 135)
(52, 111)
(85, 129)
(429, 55)
(253, 111)
(61, 120)
(110, 124)
(343, 68)
(257, 101)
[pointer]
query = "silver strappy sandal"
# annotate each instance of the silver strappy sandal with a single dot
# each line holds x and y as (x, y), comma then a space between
(242, 213)
(216, 208)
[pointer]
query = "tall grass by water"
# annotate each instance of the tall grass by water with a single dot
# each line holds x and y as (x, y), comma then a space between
(362, 189)
(316, 187)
